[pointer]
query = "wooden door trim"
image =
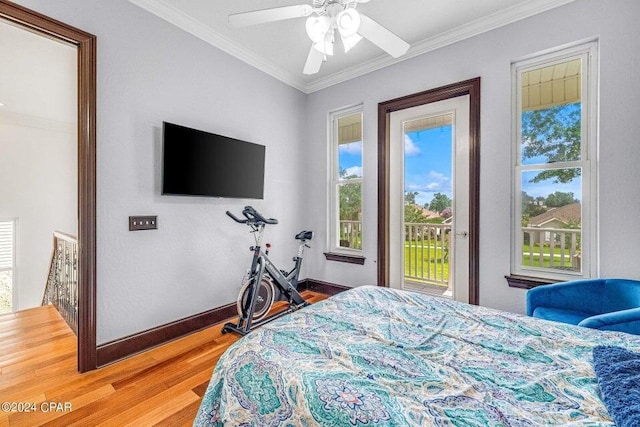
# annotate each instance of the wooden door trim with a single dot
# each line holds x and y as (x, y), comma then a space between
(86, 47)
(469, 87)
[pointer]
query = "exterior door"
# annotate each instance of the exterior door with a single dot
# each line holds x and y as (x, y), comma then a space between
(429, 198)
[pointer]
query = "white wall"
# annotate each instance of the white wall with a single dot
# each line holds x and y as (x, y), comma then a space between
(37, 152)
(148, 72)
(489, 56)
(38, 176)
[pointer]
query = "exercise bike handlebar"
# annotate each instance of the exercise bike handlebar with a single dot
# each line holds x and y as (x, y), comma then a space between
(253, 217)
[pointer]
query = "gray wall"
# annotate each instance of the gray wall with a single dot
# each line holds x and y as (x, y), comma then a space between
(150, 71)
(489, 56)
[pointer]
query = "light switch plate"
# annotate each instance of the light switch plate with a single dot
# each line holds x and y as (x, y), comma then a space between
(137, 223)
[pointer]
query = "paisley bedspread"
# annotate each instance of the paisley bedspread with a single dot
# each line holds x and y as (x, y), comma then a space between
(377, 357)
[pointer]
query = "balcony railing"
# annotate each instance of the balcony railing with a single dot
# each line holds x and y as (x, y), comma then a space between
(555, 248)
(426, 250)
(351, 234)
(62, 284)
(426, 253)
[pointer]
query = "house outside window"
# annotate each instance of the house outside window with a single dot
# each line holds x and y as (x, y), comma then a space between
(346, 180)
(554, 175)
(7, 264)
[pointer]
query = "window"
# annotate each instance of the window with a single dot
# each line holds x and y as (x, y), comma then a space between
(554, 234)
(7, 264)
(346, 181)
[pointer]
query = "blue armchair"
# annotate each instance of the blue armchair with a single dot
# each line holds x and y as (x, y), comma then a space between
(609, 304)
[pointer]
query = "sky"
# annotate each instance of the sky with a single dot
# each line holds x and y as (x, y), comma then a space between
(350, 158)
(427, 159)
(428, 166)
(546, 187)
(427, 162)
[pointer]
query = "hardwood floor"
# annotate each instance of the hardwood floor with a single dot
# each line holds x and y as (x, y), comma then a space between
(160, 387)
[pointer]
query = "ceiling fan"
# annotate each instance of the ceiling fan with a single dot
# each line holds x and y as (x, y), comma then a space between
(324, 18)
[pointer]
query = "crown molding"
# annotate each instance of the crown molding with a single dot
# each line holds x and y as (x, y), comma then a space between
(37, 122)
(499, 19)
(174, 16)
(504, 17)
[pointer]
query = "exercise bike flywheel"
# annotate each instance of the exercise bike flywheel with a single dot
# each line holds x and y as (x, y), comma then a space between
(264, 299)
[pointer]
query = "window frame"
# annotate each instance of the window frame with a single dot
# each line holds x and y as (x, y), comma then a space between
(13, 268)
(334, 183)
(588, 52)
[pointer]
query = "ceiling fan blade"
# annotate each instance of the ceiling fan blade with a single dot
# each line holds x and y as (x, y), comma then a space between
(269, 15)
(314, 61)
(381, 37)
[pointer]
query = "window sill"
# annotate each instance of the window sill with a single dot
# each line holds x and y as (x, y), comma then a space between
(350, 259)
(527, 282)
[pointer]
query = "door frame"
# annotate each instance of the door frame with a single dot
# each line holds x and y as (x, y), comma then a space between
(86, 47)
(468, 87)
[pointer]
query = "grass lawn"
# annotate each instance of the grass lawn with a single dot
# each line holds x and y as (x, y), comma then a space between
(545, 249)
(429, 265)
(424, 264)
(547, 261)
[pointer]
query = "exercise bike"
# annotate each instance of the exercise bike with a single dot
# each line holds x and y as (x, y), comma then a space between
(258, 291)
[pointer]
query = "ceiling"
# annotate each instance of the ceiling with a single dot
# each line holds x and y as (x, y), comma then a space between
(280, 48)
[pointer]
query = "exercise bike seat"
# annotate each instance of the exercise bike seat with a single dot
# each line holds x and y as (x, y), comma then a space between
(304, 235)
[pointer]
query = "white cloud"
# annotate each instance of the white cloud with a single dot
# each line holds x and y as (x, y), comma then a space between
(430, 187)
(432, 182)
(354, 170)
(351, 148)
(438, 182)
(410, 148)
(438, 176)
(412, 186)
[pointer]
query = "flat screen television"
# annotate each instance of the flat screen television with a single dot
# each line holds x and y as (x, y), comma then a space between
(198, 163)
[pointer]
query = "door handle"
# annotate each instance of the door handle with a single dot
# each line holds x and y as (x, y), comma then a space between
(463, 234)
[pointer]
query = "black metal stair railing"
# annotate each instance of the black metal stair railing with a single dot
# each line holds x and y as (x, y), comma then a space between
(62, 283)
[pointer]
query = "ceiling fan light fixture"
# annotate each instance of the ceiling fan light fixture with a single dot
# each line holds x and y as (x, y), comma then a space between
(350, 41)
(326, 44)
(317, 27)
(348, 22)
(323, 18)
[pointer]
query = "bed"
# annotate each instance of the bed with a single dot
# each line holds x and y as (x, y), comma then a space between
(374, 356)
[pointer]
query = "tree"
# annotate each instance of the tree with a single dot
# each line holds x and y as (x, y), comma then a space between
(410, 197)
(439, 202)
(531, 207)
(350, 199)
(446, 213)
(5, 292)
(413, 213)
(559, 199)
(553, 133)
